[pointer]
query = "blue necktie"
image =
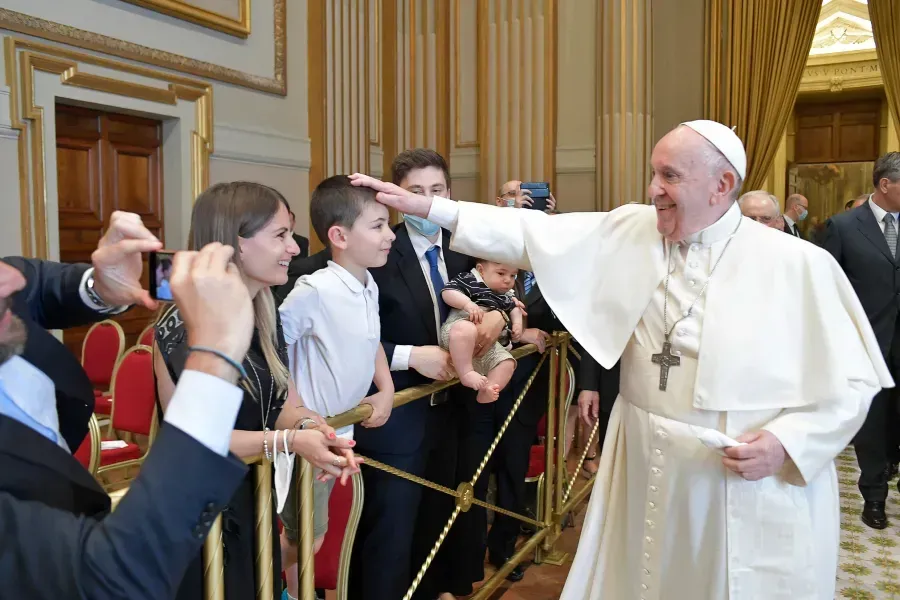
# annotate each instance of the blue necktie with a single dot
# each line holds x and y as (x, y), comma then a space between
(529, 281)
(437, 282)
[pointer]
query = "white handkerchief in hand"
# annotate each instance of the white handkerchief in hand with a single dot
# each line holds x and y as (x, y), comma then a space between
(715, 440)
(284, 473)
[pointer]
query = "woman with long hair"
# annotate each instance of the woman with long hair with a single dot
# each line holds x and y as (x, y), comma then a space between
(255, 220)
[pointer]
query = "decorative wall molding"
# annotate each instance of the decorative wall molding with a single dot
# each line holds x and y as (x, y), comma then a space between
(238, 26)
(5, 122)
(260, 146)
(57, 32)
(464, 162)
(576, 159)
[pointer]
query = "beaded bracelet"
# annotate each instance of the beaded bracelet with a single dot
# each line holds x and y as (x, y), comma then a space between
(238, 366)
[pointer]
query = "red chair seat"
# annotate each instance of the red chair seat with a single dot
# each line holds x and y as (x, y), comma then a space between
(102, 403)
(328, 557)
(83, 454)
(536, 462)
(117, 455)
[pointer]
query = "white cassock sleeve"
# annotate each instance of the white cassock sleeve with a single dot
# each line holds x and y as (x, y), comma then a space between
(813, 435)
(597, 271)
(851, 370)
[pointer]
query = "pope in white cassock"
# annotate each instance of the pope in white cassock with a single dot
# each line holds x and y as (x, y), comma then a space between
(748, 364)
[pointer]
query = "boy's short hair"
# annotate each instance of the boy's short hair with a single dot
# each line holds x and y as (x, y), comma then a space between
(417, 158)
(336, 201)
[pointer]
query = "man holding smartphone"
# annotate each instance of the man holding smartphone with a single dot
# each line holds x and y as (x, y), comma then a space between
(512, 194)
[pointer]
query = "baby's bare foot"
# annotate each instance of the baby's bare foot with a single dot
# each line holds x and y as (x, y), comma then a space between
(489, 393)
(473, 380)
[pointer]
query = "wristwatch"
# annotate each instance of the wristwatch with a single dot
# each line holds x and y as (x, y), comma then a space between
(93, 295)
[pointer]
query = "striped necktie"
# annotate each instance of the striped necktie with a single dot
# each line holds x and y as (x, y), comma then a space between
(437, 281)
(529, 282)
(890, 233)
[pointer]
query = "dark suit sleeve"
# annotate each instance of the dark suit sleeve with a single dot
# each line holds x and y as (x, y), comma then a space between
(831, 241)
(139, 551)
(52, 293)
(588, 374)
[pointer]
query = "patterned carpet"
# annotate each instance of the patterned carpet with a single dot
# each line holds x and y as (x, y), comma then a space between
(869, 559)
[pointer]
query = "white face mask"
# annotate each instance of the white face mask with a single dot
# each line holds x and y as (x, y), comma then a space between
(802, 214)
(284, 473)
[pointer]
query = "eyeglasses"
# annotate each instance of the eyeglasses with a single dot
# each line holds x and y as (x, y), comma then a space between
(765, 220)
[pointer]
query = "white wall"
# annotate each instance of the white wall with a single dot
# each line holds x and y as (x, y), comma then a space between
(258, 136)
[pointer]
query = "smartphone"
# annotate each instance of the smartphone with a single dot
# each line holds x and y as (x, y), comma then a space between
(160, 275)
(540, 193)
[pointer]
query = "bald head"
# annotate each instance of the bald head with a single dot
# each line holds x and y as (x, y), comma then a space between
(693, 183)
(761, 206)
(796, 207)
(860, 200)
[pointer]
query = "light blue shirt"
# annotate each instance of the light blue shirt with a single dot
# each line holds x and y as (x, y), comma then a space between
(29, 396)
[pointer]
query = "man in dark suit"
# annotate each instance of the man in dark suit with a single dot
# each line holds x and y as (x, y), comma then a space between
(864, 242)
(54, 539)
(599, 388)
(796, 208)
(302, 241)
(420, 437)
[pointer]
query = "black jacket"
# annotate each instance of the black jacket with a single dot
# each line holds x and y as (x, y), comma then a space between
(856, 241)
(51, 300)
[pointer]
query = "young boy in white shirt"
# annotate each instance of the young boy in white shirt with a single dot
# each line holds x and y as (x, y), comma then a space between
(333, 331)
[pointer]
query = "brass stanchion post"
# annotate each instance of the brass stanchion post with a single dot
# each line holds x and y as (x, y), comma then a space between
(549, 448)
(264, 567)
(214, 563)
(559, 470)
(307, 574)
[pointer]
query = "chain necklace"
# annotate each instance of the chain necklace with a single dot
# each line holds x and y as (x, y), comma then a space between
(665, 359)
(264, 415)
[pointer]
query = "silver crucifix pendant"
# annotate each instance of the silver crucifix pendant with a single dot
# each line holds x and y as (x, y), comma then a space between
(665, 359)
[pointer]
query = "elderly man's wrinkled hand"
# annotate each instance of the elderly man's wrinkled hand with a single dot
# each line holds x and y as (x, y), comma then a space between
(762, 455)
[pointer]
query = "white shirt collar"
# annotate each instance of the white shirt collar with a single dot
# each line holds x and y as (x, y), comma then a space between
(352, 283)
(879, 212)
(33, 392)
(421, 244)
(789, 221)
(718, 231)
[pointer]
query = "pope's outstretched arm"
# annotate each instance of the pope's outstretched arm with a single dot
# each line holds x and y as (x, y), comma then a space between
(481, 230)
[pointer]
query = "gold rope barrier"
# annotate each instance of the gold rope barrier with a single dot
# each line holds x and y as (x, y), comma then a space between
(554, 504)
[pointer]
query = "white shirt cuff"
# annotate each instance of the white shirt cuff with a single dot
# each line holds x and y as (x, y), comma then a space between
(205, 407)
(444, 212)
(400, 359)
(89, 302)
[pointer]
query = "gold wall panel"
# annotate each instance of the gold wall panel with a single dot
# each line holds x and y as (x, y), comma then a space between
(517, 92)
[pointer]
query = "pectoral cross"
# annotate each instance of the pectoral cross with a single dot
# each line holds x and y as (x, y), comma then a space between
(665, 359)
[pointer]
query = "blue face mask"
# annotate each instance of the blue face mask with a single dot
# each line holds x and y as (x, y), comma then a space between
(423, 226)
(803, 214)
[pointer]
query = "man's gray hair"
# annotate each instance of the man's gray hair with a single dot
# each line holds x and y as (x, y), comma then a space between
(887, 167)
(761, 193)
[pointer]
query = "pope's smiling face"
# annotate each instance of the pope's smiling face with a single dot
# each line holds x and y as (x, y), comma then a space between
(691, 188)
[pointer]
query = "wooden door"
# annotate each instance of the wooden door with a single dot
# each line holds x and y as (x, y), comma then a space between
(105, 162)
(838, 132)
